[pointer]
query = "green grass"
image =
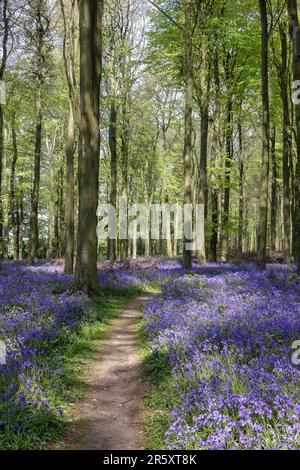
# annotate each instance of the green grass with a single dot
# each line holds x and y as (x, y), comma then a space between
(161, 397)
(74, 349)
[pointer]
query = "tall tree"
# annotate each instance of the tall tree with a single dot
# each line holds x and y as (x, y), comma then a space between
(295, 32)
(13, 205)
(203, 100)
(263, 202)
(90, 24)
(286, 133)
(38, 11)
(112, 131)
(274, 194)
(241, 186)
(230, 63)
(5, 33)
(283, 79)
(188, 147)
(70, 56)
(213, 162)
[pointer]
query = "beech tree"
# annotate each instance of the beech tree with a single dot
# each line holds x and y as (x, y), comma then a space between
(90, 24)
(188, 149)
(263, 204)
(295, 34)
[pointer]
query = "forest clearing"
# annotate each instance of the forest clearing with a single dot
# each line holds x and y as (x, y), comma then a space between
(149, 226)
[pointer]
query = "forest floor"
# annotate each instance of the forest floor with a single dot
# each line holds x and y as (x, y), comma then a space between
(110, 415)
(209, 364)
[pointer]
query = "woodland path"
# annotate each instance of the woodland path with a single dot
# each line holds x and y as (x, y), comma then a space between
(109, 417)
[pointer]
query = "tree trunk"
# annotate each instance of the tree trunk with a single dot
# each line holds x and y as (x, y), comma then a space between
(203, 191)
(124, 245)
(263, 202)
(295, 30)
(112, 243)
(13, 205)
(168, 244)
(74, 119)
(241, 190)
(34, 234)
(2, 71)
(50, 230)
(21, 218)
(274, 196)
(213, 164)
(39, 42)
(188, 149)
(69, 211)
(228, 164)
(286, 135)
(90, 14)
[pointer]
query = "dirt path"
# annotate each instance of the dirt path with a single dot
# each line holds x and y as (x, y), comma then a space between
(109, 417)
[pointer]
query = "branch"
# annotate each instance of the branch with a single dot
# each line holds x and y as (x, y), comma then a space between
(166, 15)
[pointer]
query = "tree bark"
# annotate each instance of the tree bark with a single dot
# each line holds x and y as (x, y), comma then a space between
(224, 239)
(263, 202)
(2, 72)
(203, 187)
(70, 210)
(241, 190)
(213, 163)
(39, 42)
(73, 120)
(188, 149)
(286, 136)
(124, 245)
(295, 32)
(112, 243)
(274, 195)
(13, 205)
(168, 244)
(34, 233)
(90, 21)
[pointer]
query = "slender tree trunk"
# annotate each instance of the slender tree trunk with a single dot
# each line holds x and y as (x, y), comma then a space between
(203, 188)
(124, 245)
(188, 149)
(295, 30)
(70, 55)
(62, 211)
(274, 195)
(286, 135)
(213, 164)
(34, 234)
(39, 42)
(56, 224)
(228, 164)
(147, 240)
(263, 202)
(21, 218)
(90, 14)
(69, 205)
(50, 230)
(13, 205)
(5, 211)
(112, 243)
(241, 190)
(168, 244)
(2, 71)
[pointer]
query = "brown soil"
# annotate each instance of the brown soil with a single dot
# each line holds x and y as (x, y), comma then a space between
(109, 417)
